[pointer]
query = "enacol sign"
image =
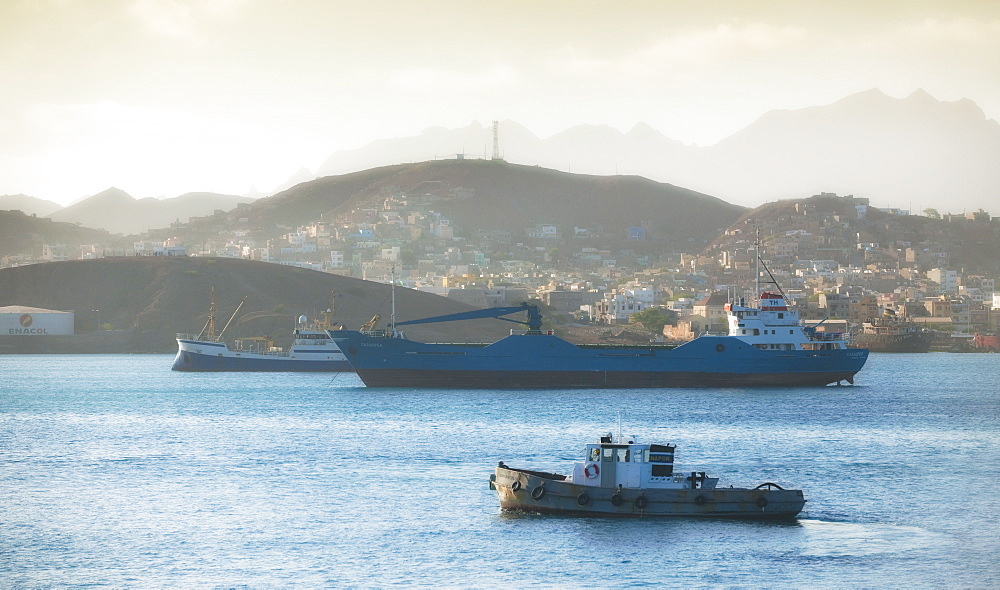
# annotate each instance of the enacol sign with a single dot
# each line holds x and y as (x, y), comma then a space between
(18, 320)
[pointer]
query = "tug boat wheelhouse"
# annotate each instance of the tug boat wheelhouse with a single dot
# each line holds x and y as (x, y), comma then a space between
(630, 479)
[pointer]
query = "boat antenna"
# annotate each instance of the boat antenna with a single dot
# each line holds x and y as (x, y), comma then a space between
(210, 324)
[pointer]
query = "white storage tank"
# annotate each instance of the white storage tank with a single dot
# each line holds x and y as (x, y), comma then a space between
(18, 320)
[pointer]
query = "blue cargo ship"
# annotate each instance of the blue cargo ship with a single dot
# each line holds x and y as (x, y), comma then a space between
(765, 346)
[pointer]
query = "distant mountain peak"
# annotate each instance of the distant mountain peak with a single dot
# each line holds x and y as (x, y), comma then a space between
(111, 194)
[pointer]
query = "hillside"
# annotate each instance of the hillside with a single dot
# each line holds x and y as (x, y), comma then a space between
(146, 301)
(26, 233)
(28, 205)
(499, 196)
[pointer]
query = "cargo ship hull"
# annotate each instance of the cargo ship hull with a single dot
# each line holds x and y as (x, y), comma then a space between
(547, 361)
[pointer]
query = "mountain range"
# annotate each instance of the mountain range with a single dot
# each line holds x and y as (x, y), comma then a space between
(28, 205)
(911, 153)
(118, 212)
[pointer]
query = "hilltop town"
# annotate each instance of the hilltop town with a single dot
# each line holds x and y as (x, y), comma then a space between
(837, 257)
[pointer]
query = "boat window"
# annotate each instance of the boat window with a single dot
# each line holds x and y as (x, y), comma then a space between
(595, 454)
(609, 454)
(756, 332)
(663, 470)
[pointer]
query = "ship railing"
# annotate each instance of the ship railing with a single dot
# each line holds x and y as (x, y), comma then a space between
(196, 337)
(826, 336)
(531, 332)
(383, 334)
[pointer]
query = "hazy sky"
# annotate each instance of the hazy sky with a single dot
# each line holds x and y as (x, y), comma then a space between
(163, 97)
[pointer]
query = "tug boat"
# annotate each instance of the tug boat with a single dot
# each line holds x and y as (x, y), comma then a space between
(626, 478)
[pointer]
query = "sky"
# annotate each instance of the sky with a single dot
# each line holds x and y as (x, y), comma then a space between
(164, 97)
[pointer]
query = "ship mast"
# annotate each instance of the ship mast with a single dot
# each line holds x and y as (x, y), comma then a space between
(756, 249)
(210, 324)
(392, 315)
(770, 276)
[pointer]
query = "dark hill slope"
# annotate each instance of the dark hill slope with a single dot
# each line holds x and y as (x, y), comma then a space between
(147, 300)
(510, 197)
(26, 233)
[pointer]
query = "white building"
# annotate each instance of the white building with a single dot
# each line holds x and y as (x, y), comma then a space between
(617, 308)
(948, 279)
(18, 320)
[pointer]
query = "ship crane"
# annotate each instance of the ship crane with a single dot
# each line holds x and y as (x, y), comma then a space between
(534, 321)
(367, 326)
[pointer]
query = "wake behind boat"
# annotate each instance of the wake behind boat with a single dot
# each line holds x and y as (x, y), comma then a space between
(312, 349)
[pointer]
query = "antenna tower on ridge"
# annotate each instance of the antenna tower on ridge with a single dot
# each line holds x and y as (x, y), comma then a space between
(496, 141)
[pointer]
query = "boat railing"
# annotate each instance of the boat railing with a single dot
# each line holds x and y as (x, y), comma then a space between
(195, 337)
(312, 341)
(262, 351)
(383, 333)
(514, 332)
(825, 336)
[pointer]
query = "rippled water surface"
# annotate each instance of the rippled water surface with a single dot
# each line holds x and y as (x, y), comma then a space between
(116, 471)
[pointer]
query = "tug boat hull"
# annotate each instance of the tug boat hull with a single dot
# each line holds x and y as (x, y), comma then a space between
(567, 498)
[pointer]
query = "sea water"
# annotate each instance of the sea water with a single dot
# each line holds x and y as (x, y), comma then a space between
(117, 472)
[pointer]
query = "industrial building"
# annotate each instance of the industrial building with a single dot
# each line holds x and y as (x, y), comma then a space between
(19, 320)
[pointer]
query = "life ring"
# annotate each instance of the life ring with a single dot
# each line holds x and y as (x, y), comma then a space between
(516, 485)
(719, 347)
(617, 499)
(641, 502)
(538, 493)
(592, 470)
(583, 499)
(700, 500)
(761, 502)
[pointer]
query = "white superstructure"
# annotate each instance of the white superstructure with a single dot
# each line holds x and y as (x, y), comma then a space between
(773, 325)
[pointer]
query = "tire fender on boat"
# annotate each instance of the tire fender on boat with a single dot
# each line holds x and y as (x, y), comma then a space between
(516, 485)
(641, 502)
(761, 502)
(700, 500)
(592, 470)
(583, 499)
(617, 499)
(538, 493)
